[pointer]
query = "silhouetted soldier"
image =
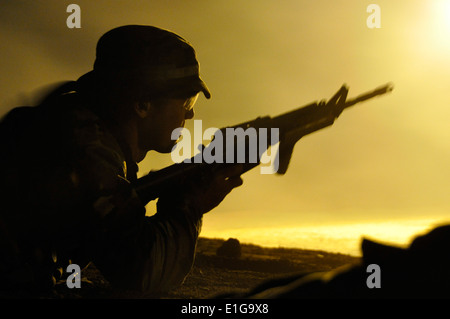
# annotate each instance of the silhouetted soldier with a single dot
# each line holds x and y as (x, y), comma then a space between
(67, 165)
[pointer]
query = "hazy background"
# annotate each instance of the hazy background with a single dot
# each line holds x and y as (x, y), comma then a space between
(384, 160)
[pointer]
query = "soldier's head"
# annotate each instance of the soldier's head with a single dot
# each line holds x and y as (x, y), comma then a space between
(149, 73)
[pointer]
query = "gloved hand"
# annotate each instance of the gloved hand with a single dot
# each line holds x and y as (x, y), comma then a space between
(208, 192)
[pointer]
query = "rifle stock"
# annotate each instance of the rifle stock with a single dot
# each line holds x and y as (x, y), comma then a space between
(292, 127)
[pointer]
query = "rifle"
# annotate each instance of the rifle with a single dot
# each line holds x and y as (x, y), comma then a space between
(292, 126)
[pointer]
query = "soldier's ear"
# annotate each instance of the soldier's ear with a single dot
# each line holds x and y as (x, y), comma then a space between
(143, 109)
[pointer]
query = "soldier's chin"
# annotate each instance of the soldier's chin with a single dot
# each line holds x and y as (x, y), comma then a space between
(167, 149)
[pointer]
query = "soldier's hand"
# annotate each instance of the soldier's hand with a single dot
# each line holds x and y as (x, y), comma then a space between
(206, 193)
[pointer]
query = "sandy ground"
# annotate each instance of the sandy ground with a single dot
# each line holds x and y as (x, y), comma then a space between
(214, 275)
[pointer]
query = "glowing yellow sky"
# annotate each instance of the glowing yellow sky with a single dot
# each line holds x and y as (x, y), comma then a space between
(386, 158)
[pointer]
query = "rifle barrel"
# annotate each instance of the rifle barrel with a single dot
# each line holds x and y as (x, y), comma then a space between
(365, 96)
